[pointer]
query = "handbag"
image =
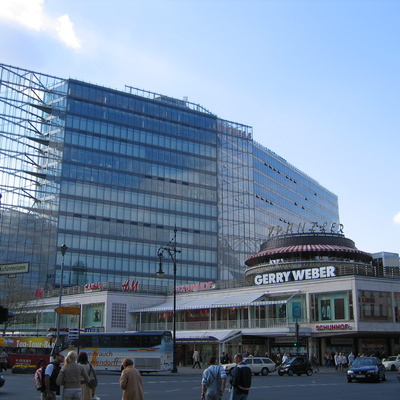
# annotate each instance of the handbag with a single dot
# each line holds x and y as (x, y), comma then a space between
(92, 380)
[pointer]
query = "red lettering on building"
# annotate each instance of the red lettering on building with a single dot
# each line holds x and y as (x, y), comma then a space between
(130, 286)
(92, 286)
(334, 327)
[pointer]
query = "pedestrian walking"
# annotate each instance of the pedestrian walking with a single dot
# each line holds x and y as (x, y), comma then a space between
(314, 363)
(50, 377)
(70, 376)
(196, 359)
(241, 379)
(213, 381)
(3, 360)
(336, 358)
(88, 389)
(131, 381)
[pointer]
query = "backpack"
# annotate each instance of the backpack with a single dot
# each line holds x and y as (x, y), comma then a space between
(38, 379)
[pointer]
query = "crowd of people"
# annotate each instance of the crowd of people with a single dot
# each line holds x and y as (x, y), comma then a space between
(340, 361)
(78, 378)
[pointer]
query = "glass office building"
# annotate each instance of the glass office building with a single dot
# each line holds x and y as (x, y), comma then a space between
(112, 173)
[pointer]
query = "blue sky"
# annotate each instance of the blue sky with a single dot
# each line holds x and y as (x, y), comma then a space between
(318, 81)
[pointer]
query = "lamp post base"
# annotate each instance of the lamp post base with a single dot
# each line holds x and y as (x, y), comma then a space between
(174, 370)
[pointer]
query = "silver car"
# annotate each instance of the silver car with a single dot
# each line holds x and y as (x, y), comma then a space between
(258, 365)
(391, 363)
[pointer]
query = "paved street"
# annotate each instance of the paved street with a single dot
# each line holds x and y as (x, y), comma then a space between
(328, 384)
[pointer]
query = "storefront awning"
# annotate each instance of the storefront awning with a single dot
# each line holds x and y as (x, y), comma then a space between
(212, 300)
(220, 336)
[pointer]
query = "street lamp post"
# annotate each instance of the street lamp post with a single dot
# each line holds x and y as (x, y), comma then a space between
(57, 346)
(171, 249)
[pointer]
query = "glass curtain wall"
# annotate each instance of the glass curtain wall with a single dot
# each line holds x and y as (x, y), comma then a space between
(283, 195)
(110, 174)
(134, 169)
(235, 202)
(32, 115)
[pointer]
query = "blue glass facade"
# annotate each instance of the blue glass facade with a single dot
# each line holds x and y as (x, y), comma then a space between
(112, 173)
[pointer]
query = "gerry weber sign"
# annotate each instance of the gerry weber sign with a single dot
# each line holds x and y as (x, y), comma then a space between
(295, 275)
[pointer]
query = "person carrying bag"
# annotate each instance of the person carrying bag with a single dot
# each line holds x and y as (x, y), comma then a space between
(88, 389)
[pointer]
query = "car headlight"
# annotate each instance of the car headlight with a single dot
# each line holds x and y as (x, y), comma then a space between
(372, 371)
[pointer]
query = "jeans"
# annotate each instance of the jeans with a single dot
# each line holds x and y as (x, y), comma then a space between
(43, 396)
(236, 396)
(72, 394)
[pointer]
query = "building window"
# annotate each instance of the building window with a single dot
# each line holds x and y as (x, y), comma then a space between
(331, 307)
(397, 307)
(118, 315)
(374, 306)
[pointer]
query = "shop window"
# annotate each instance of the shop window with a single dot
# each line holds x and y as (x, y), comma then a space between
(339, 309)
(375, 306)
(397, 307)
(331, 307)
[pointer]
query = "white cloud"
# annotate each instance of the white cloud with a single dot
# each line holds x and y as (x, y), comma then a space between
(66, 33)
(32, 15)
(396, 218)
(27, 12)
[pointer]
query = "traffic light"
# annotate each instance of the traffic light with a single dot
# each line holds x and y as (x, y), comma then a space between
(3, 314)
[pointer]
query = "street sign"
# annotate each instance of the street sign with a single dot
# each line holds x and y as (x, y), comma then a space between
(68, 310)
(12, 269)
(73, 333)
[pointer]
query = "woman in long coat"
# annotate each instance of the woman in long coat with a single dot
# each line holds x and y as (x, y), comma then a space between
(87, 391)
(131, 381)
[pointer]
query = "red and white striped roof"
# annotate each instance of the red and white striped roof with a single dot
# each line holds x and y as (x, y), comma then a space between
(309, 248)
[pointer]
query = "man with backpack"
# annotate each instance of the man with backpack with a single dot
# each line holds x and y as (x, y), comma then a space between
(213, 381)
(51, 389)
(241, 379)
(38, 378)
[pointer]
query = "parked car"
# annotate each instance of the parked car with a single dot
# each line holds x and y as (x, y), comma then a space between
(296, 365)
(2, 380)
(391, 363)
(258, 365)
(366, 368)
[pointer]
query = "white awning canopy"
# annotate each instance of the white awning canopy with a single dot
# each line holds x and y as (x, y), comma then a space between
(220, 336)
(212, 300)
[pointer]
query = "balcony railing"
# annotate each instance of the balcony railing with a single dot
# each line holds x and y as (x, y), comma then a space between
(269, 323)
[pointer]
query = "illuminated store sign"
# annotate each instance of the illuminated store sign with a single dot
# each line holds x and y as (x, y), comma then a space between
(295, 275)
(334, 327)
(305, 227)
